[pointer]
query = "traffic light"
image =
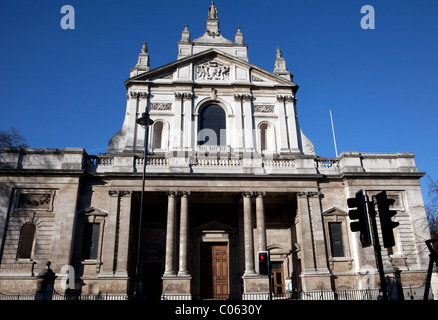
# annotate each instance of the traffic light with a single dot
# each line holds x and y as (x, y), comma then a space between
(386, 223)
(263, 258)
(360, 214)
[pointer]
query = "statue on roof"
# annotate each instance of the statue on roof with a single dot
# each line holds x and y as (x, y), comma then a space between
(212, 11)
(144, 49)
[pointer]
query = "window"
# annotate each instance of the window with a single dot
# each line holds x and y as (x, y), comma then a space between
(27, 238)
(337, 245)
(212, 124)
(91, 241)
(263, 136)
(158, 135)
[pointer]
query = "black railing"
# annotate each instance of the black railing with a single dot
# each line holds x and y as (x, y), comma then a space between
(370, 294)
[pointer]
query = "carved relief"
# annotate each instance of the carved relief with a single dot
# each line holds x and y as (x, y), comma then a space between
(285, 98)
(185, 95)
(161, 106)
(243, 97)
(256, 79)
(264, 109)
(34, 200)
(212, 70)
(137, 94)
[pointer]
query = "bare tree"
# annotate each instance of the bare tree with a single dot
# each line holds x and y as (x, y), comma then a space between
(12, 139)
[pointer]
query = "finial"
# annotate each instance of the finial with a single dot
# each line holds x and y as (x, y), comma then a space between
(185, 34)
(238, 38)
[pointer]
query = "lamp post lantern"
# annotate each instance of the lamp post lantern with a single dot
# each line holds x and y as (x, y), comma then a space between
(145, 121)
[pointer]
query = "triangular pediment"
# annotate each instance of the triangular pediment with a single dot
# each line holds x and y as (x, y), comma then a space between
(212, 66)
(334, 211)
(93, 211)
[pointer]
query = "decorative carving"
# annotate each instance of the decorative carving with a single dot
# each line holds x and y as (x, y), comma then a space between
(39, 201)
(113, 193)
(264, 109)
(242, 97)
(172, 193)
(212, 70)
(285, 98)
(137, 94)
(181, 95)
(161, 106)
(256, 79)
(185, 193)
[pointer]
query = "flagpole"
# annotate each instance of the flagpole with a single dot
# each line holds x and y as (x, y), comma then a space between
(333, 130)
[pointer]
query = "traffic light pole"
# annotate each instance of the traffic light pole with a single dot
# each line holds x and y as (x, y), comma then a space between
(377, 248)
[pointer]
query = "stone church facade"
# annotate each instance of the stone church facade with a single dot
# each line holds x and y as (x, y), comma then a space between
(229, 172)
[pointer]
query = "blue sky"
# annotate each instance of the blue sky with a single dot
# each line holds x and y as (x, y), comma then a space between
(64, 88)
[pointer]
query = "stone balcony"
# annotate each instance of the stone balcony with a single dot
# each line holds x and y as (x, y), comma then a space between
(218, 161)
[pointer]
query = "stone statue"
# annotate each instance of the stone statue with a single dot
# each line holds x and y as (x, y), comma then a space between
(212, 11)
(279, 54)
(144, 49)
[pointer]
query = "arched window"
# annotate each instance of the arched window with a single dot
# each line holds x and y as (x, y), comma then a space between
(27, 238)
(212, 126)
(158, 135)
(263, 136)
(267, 137)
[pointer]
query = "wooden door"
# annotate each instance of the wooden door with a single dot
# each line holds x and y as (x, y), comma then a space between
(214, 271)
(277, 278)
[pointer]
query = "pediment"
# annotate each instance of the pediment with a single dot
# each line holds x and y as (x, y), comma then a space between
(214, 226)
(211, 66)
(334, 211)
(93, 211)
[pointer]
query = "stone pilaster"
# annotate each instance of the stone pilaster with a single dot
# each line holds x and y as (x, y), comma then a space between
(109, 236)
(123, 234)
(315, 274)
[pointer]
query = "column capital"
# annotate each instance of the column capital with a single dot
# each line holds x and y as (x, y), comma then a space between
(185, 193)
(125, 193)
(172, 193)
(260, 194)
(113, 193)
(247, 194)
(309, 194)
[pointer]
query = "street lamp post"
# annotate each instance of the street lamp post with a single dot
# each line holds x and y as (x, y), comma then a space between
(145, 122)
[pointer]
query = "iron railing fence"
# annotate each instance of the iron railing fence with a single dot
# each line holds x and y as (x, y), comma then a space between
(369, 294)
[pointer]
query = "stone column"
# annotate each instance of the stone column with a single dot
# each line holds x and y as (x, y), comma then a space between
(184, 234)
(249, 243)
(170, 234)
(260, 214)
